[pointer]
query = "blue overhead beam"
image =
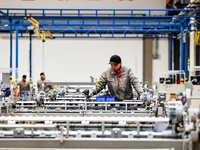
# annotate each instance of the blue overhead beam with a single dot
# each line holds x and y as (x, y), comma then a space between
(103, 31)
(100, 36)
(98, 23)
(63, 14)
(100, 17)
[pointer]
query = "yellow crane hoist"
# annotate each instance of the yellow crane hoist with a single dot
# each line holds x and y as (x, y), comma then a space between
(96, 83)
(43, 36)
(196, 38)
(34, 22)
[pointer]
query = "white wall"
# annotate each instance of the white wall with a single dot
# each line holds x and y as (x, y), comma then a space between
(74, 60)
(77, 59)
(83, 4)
(162, 64)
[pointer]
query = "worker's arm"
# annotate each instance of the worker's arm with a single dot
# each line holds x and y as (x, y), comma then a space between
(135, 82)
(16, 85)
(29, 89)
(38, 85)
(101, 83)
(51, 87)
(16, 91)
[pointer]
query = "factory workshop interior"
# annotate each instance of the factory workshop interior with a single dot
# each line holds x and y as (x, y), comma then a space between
(100, 74)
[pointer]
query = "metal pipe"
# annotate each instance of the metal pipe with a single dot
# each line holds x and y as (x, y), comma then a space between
(16, 73)
(30, 56)
(103, 31)
(98, 36)
(27, 126)
(181, 63)
(98, 119)
(115, 23)
(192, 47)
(11, 36)
(43, 56)
(186, 53)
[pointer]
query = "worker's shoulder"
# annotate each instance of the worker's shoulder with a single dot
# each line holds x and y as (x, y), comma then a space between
(29, 82)
(19, 82)
(125, 68)
(108, 70)
(38, 81)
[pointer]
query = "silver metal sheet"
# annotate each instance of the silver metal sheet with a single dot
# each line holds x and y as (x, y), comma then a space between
(92, 143)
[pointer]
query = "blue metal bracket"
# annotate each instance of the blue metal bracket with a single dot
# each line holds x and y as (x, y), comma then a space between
(129, 22)
(101, 21)
(2, 13)
(63, 14)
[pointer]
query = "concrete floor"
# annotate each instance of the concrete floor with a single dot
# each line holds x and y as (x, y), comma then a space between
(71, 149)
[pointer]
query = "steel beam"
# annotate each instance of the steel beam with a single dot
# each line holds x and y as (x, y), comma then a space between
(94, 143)
(99, 23)
(104, 31)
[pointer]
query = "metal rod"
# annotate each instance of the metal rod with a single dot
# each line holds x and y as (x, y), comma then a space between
(186, 53)
(192, 47)
(70, 83)
(101, 36)
(43, 57)
(181, 63)
(105, 31)
(109, 119)
(103, 127)
(30, 56)
(11, 52)
(27, 126)
(16, 73)
(99, 24)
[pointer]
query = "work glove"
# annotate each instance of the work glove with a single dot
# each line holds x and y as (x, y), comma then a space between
(91, 94)
(88, 93)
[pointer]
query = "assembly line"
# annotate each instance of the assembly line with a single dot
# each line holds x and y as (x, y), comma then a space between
(147, 96)
(67, 115)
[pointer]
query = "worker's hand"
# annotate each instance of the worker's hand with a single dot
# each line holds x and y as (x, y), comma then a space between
(140, 97)
(86, 92)
(91, 94)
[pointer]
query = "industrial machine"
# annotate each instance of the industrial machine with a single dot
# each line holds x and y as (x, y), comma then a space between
(67, 118)
(73, 101)
(170, 84)
(178, 130)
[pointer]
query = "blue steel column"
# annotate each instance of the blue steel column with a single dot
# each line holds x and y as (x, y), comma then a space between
(186, 53)
(11, 37)
(16, 73)
(182, 51)
(30, 56)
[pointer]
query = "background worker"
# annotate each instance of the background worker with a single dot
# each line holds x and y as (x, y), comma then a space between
(42, 80)
(22, 87)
